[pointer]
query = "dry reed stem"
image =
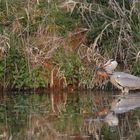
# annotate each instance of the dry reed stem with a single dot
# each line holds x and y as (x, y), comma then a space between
(121, 21)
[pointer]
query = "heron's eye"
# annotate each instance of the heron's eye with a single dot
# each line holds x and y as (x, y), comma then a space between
(119, 100)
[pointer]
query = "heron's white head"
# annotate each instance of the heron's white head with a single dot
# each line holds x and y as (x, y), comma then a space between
(110, 66)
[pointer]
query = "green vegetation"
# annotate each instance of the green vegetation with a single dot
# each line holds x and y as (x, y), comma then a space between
(73, 35)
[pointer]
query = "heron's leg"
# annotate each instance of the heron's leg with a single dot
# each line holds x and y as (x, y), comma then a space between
(125, 91)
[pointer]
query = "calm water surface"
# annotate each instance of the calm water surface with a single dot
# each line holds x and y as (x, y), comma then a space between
(61, 115)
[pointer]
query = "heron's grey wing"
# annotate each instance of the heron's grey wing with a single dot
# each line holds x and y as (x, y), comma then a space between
(127, 80)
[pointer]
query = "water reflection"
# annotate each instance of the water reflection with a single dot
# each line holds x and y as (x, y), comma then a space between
(75, 115)
(125, 103)
(58, 101)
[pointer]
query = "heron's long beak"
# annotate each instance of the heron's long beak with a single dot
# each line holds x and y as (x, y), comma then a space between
(108, 63)
(104, 66)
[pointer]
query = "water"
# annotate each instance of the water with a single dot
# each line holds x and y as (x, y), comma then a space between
(63, 115)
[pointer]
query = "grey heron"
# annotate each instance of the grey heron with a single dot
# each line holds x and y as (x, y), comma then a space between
(121, 80)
